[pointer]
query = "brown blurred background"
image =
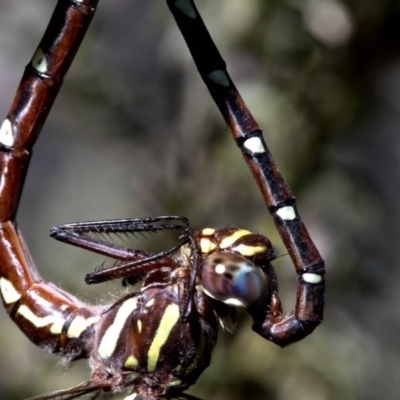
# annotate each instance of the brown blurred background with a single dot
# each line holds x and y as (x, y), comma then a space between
(134, 133)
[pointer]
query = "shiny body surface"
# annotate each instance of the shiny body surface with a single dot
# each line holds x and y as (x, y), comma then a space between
(129, 347)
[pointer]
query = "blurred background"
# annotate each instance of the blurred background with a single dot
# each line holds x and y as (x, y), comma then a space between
(134, 133)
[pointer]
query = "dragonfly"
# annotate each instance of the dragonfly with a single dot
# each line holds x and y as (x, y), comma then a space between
(155, 341)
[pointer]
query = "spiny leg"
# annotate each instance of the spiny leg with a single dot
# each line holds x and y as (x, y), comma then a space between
(49, 316)
(90, 236)
(95, 236)
(277, 196)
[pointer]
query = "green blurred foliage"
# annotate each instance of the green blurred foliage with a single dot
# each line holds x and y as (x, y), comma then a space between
(135, 133)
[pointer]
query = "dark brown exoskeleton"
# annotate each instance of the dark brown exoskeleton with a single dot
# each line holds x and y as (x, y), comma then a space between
(155, 342)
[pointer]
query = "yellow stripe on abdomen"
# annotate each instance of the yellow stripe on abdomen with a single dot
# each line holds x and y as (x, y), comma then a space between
(168, 321)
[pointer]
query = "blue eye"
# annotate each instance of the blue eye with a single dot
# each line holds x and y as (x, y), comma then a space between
(233, 279)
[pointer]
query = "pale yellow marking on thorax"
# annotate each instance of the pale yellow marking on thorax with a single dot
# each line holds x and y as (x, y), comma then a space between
(228, 241)
(168, 321)
(139, 325)
(79, 325)
(206, 245)
(109, 341)
(8, 291)
(131, 362)
(249, 251)
(208, 231)
(186, 251)
(40, 322)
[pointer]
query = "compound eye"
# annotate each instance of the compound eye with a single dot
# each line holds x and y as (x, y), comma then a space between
(233, 279)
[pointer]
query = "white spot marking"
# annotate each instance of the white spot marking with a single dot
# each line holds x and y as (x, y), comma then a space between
(8, 291)
(255, 145)
(139, 325)
(208, 231)
(287, 213)
(39, 61)
(64, 307)
(79, 325)
(6, 133)
(219, 77)
(186, 7)
(168, 321)
(41, 322)
(220, 269)
(150, 303)
(109, 341)
(312, 278)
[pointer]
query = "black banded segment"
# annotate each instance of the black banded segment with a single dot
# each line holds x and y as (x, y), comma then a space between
(43, 75)
(50, 317)
(199, 41)
(276, 193)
